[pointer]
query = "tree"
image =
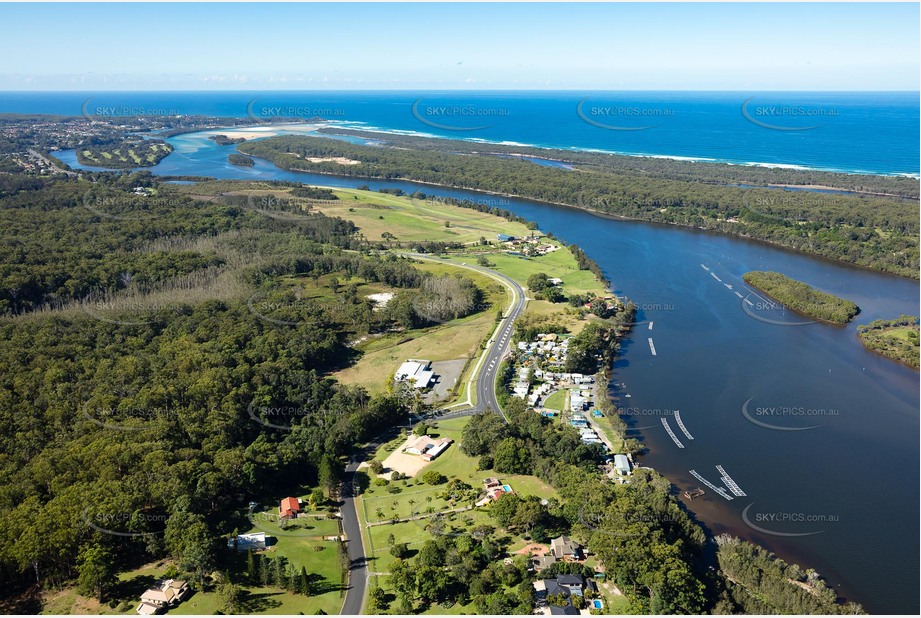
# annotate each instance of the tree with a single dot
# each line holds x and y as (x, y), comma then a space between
(512, 457)
(317, 497)
(430, 555)
(484, 429)
(329, 474)
(433, 477)
(378, 599)
(554, 295)
(230, 598)
(96, 572)
(399, 550)
(538, 282)
(376, 466)
(190, 541)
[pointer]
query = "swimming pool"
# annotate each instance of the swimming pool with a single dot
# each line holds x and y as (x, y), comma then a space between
(507, 488)
(597, 604)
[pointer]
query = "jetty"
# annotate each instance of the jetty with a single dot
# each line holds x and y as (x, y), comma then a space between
(671, 433)
(719, 490)
(731, 484)
(681, 426)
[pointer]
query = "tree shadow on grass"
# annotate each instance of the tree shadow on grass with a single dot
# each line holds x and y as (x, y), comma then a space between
(132, 589)
(256, 602)
(320, 585)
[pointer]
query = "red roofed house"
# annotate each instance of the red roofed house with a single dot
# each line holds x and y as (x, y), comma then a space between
(289, 508)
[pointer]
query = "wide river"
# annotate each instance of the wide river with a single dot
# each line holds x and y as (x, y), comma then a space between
(826, 448)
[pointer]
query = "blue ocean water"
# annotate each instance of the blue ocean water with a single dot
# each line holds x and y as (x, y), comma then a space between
(859, 132)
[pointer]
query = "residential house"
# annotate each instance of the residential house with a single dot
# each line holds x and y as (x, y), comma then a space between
(562, 587)
(564, 547)
(168, 593)
(289, 508)
(245, 542)
(428, 447)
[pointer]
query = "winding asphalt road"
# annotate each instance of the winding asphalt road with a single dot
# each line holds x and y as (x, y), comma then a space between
(483, 383)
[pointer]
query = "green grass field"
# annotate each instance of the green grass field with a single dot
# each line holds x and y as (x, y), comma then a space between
(560, 264)
(414, 220)
(556, 401)
(461, 338)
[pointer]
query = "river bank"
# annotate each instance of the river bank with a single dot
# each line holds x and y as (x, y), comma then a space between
(712, 357)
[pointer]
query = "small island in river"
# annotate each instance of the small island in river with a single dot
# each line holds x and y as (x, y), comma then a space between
(239, 159)
(802, 297)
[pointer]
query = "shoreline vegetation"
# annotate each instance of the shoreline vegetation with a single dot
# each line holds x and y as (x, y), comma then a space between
(239, 159)
(896, 339)
(802, 297)
(875, 232)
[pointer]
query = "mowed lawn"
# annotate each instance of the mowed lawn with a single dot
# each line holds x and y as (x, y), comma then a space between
(556, 401)
(416, 220)
(415, 497)
(381, 356)
(560, 264)
(259, 600)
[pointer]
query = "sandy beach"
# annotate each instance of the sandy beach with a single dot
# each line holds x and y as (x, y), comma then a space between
(262, 131)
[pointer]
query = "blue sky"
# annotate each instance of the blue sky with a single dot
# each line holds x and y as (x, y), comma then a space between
(819, 46)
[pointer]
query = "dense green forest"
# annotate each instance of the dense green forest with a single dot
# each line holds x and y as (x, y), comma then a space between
(137, 417)
(802, 297)
(759, 582)
(897, 339)
(873, 231)
(697, 171)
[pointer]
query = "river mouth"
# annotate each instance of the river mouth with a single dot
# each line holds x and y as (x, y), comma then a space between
(826, 490)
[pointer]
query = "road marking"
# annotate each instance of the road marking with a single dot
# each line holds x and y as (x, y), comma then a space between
(739, 295)
(728, 286)
(705, 268)
(750, 302)
(650, 326)
(652, 347)
(715, 277)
